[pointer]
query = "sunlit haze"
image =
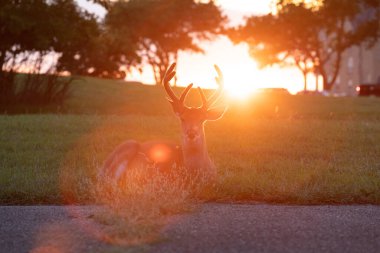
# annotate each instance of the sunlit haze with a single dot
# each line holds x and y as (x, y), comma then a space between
(241, 73)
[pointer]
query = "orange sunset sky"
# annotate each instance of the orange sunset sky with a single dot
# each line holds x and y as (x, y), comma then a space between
(241, 73)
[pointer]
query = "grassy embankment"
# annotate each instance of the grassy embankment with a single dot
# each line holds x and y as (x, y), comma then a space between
(279, 149)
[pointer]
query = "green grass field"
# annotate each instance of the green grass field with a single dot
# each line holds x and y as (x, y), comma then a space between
(278, 149)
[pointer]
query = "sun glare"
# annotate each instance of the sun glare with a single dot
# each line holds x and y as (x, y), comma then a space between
(240, 80)
(242, 76)
(241, 92)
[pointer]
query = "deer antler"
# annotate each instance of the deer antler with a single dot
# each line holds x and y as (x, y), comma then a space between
(207, 103)
(177, 102)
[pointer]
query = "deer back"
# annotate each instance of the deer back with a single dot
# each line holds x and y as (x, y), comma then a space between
(132, 155)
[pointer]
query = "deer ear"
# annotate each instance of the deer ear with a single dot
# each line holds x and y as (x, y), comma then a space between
(215, 113)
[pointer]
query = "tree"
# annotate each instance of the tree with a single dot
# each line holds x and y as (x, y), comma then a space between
(74, 33)
(21, 31)
(343, 29)
(312, 37)
(162, 28)
(280, 39)
(43, 38)
(86, 48)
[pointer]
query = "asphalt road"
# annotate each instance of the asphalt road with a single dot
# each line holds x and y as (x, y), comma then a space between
(213, 228)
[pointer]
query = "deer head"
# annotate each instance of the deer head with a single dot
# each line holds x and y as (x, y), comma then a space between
(193, 119)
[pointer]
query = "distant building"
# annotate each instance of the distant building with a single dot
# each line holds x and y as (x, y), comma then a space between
(359, 66)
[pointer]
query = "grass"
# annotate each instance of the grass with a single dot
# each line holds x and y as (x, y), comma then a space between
(282, 160)
(274, 148)
(277, 149)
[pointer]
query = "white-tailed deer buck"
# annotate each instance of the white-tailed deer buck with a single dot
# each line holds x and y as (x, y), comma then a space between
(192, 154)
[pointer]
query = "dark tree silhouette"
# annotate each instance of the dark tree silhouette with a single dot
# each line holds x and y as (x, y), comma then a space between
(162, 28)
(311, 37)
(42, 38)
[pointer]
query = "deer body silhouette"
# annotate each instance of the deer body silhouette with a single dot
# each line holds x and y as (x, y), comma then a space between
(191, 154)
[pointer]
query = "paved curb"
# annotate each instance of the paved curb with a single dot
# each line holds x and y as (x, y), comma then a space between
(214, 228)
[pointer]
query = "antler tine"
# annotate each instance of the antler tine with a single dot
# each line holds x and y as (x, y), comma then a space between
(204, 100)
(220, 81)
(170, 73)
(184, 93)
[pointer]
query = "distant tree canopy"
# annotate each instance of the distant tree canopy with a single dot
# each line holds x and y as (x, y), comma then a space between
(158, 29)
(43, 27)
(42, 37)
(310, 35)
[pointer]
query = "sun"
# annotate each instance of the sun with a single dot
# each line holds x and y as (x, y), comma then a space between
(238, 87)
(242, 74)
(241, 80)
(241, 92)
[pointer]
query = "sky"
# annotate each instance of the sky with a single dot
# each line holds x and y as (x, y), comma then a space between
(240, 71)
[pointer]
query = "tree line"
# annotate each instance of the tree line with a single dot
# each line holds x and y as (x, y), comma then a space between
(311, 35)
(45, 39)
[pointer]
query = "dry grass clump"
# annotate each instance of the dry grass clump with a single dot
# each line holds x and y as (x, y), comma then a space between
(134, 209)
(137, 208)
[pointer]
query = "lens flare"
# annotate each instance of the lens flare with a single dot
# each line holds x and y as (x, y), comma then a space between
(160, 153)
